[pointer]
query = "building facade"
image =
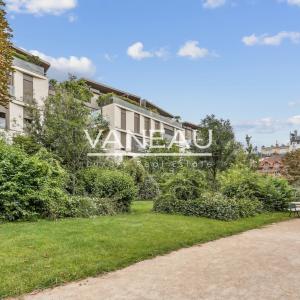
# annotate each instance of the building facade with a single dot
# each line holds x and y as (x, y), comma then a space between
(135, 119)
(28, 83)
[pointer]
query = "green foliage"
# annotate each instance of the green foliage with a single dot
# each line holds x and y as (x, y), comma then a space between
(213, 206)
(223, 147)
(30, 187)
(6, 56)
(85, 207)
(27, 144)
(186, 184)
(113, 184)
(148, 189)
(135, 169)
(292, 167)
(62, 129)
(241, 182)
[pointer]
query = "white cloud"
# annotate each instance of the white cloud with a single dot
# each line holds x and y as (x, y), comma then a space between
(295, 120)
(109, 57)
(264, 125)
(275, 40)
(72, 18)
(136, 51)
(61, 66)
(293, 2)
(41, 7)
(192, 50)
(294, 103)
(213, 3)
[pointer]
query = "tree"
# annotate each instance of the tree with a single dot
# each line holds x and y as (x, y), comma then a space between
(291, 164)
(223, 148)
(61, 128)
(6, 56)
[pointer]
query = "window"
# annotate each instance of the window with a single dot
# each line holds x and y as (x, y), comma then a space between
(136, 148)
(123, 119)
(188, 134)
(137, 121)
(27, 88)
(169, 130)
(147, 126)
(157, 125)
(2, 120)
(123, 140)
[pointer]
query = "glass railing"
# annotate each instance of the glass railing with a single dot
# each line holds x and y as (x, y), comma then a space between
(17, 62)
(142, 110)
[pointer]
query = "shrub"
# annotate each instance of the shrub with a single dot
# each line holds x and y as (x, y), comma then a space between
(30, 186)
(186, 184)
(112, 184)
(136, 170)
(240, 182)
(85, 207)
(212, 206)
(148, 189)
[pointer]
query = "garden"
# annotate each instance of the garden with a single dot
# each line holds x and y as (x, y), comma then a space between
(63, 217)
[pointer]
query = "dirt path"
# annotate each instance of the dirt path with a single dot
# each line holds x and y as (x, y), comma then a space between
(258, 264)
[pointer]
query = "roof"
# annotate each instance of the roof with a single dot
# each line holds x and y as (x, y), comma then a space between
(41, 62)
(190, 125)
(103, 88)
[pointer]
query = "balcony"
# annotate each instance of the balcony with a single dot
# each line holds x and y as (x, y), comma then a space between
(142, 110)
(17, 62)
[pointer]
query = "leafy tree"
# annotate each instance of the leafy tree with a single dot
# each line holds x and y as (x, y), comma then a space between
(5, 56)
(61, 128)
(292, 167)
(223, 148)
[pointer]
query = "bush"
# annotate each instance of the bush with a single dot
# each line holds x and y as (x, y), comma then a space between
(210, 206)
(148, 189)
(136, 170)
(240, 182)
(85, 207)
(186, 184)
(30, 186)
(115, 185)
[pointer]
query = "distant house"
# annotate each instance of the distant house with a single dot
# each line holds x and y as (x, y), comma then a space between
(271, 165)
(282, 150)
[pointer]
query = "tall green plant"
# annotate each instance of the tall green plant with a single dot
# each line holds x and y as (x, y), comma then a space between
(6, 56)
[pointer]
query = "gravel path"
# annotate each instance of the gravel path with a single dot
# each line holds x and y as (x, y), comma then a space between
(258, 264)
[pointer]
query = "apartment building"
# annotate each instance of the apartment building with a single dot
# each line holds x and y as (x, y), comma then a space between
(28, 82)
(134, 118)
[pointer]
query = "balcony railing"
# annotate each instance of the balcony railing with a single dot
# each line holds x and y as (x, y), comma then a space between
(17, 62)
(142, 110)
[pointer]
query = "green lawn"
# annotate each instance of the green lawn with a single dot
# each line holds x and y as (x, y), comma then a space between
(43, 254)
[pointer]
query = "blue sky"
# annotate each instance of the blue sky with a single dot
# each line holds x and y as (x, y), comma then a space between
(237, 59)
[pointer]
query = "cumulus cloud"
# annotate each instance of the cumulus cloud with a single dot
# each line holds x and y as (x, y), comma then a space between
(294, 103)
(192, 50)
(293, 2)
(295, 120)
(264, 125)
(213, 3)
(136, 51)
(62, 66)
(269, 40)
(41, 7)
(267, 125)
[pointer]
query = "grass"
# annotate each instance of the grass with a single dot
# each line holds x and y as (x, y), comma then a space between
(46, 253)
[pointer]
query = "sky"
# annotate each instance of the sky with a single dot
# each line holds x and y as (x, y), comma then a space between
(237, 59)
